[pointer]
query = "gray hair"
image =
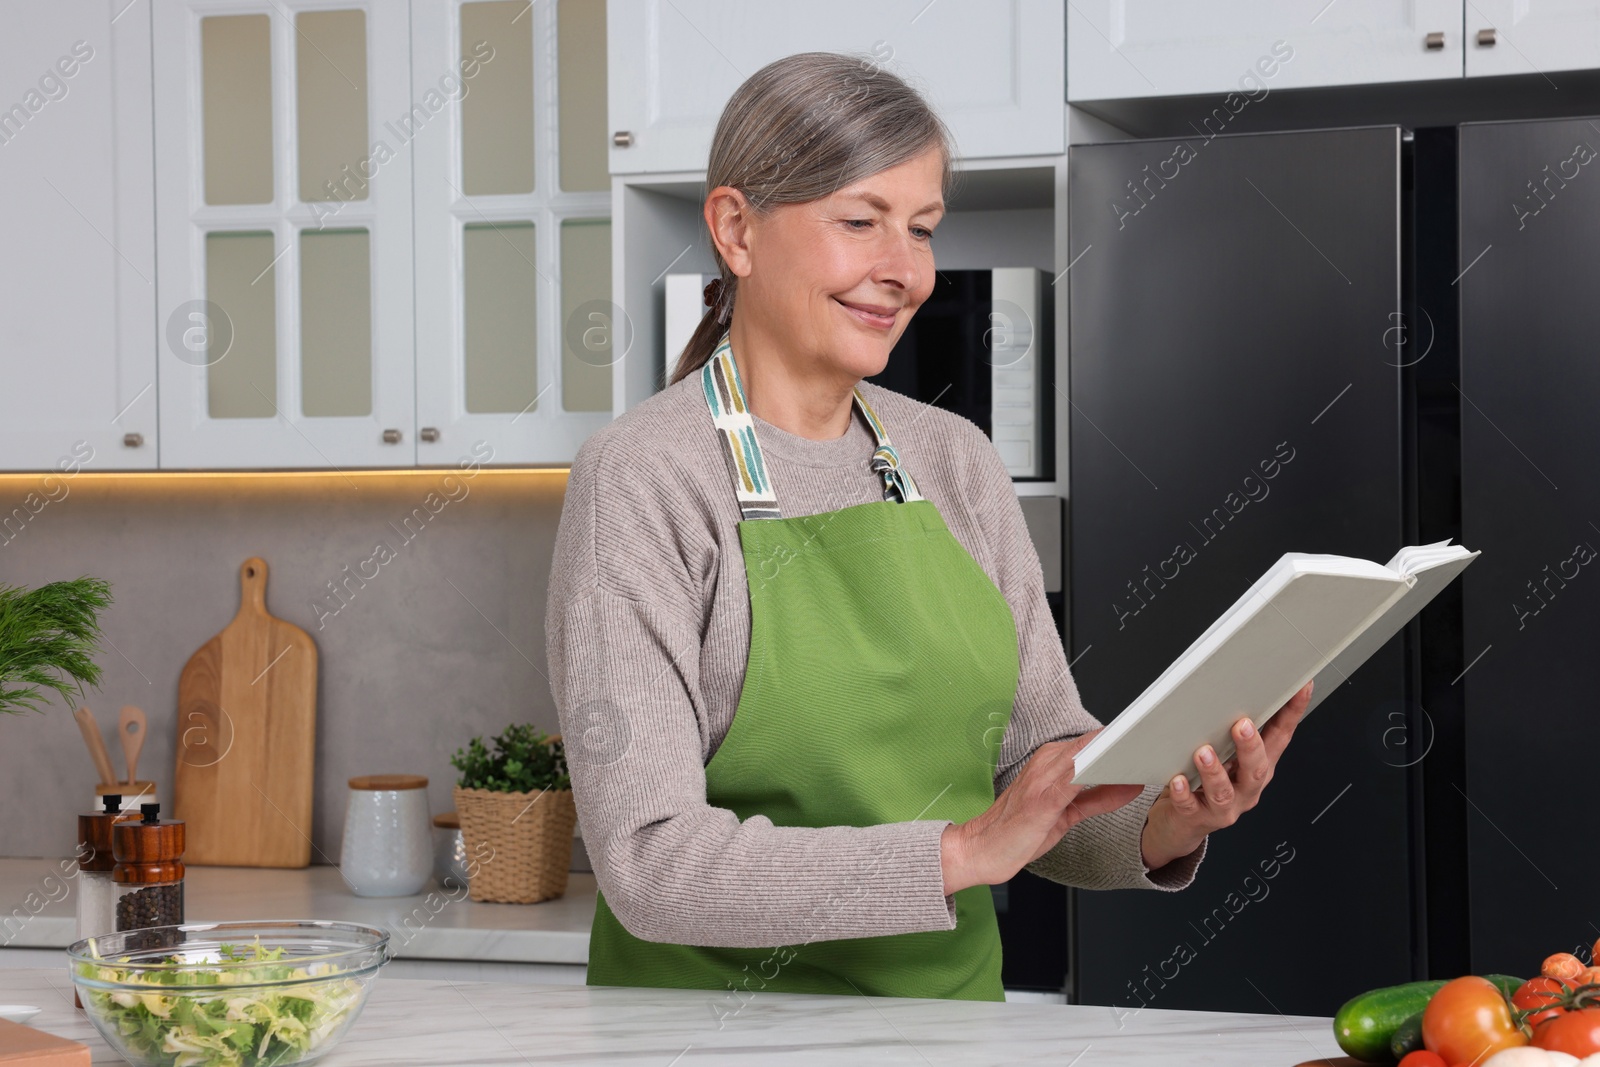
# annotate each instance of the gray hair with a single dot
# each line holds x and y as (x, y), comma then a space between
(802, 128)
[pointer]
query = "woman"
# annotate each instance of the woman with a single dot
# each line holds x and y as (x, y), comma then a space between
(792, 693)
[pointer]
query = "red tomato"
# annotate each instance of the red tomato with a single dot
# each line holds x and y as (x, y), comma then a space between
(1537, 992)
(1562, 965)
(1468, 1020)
(1576, 1033)
(1591, 976)
(1423, 1058)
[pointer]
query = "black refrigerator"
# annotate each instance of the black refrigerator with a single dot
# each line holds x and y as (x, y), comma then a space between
(1347, 341)
(1529, 265)
(1238, 345)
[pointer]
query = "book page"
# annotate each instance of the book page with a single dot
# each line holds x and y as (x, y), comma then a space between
(1429, 570)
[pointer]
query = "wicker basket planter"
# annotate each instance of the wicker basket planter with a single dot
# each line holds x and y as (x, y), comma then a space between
(519, 845)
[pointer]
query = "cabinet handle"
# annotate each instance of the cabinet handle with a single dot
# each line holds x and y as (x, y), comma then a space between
(391, 437)
(132, 440)
(1435, 41)
(430, 434)
(1486, 36)
(622, 139)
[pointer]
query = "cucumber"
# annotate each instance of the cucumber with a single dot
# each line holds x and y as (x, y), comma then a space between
(1407, 1039)
(1369, 1027)
(1365, 1025)
(1508, 985)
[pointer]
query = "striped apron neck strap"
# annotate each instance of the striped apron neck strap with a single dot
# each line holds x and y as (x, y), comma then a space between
(897, 481)
(725, 397)
(724, 393)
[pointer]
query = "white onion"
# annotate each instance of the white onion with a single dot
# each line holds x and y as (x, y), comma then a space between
(1527, 1056)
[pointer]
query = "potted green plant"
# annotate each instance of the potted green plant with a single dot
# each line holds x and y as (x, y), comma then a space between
(514, 800)
(49, 637)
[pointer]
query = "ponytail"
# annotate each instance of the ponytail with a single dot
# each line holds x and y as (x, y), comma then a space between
(713, 326)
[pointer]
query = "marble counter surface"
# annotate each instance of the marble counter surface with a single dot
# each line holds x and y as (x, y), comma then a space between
(418, 1022)
(38, 909)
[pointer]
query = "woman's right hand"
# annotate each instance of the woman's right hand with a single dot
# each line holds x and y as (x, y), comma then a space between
(1039, 806)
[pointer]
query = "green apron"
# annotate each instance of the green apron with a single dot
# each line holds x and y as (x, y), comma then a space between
(880, 680)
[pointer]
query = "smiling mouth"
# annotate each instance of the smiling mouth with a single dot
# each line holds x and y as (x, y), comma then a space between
(881, 318)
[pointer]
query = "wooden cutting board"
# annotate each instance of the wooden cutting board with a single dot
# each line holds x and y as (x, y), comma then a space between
(247, 716)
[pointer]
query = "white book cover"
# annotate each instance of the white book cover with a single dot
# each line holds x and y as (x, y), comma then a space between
(1308, 617)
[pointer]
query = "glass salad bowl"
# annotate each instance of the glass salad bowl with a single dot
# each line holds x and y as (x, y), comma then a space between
(240, 994)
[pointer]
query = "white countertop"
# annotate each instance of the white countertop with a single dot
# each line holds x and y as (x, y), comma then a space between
(40, 911)
(408, 1021)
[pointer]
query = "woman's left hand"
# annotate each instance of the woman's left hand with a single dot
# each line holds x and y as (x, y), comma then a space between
(1180, 819)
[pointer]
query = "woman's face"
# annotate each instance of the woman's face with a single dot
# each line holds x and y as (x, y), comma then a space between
(834, 281)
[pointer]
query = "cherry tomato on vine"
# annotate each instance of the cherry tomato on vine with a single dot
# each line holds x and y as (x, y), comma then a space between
(1468, 1020)
(1423, 1058)
(1576, 1033)
(1540, 991)
(1562, 965)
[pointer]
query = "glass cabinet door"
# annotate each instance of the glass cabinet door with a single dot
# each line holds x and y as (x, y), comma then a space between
(283, 184)
(516, 332)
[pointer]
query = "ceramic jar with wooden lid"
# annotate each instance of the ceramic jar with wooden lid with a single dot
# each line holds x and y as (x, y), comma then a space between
(388, 845)
(148, 874)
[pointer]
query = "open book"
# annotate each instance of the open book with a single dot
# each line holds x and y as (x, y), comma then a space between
(1309, 617)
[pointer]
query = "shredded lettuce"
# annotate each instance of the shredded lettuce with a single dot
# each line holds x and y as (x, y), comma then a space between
(265, 1026)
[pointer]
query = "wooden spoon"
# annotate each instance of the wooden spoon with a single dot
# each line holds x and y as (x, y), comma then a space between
(97, 745)
(131, 728)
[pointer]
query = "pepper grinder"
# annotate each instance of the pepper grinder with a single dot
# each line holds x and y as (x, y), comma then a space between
(148, 876)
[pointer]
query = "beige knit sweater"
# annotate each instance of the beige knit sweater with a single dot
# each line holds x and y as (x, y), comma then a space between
(648, 629)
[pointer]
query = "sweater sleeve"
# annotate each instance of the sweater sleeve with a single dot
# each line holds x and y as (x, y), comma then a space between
(624, 633)
(1103, 851)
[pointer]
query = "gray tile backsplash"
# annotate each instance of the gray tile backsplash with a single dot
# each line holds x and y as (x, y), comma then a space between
(443, 641)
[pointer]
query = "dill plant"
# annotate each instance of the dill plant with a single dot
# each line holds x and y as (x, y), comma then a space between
(49, 638)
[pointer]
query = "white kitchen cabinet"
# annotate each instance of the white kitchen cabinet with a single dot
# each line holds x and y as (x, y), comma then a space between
(993, 69)
(1532, 36)
(284, 289)
(77, 355)
(516, 332)
(1117, 49)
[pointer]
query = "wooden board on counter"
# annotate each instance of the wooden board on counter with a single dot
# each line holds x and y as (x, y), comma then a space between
(24, 1046)
(247, 711)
